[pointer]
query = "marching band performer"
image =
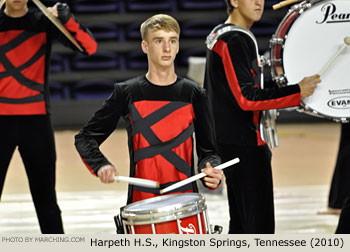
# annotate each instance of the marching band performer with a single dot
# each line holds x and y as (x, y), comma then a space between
(162, 111)
(233, 77)
(25, 46)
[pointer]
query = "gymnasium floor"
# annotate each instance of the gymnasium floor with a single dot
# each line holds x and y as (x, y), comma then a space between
(302, 166)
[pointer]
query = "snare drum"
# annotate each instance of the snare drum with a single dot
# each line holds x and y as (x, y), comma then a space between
(307, 38)
(170, 214)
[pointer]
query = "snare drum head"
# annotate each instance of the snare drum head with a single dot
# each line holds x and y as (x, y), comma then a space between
(313, 39)
(164, 208)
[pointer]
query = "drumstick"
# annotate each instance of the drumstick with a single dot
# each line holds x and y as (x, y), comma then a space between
(198, 176)
(283, 3)
(57, 23)
(346, 43)
(138, 181)
(2, 3)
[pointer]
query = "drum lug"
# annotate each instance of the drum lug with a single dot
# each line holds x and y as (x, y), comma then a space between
(275, 40)
(342, 120)
(264, 61)
(280, 80)
(216, 229)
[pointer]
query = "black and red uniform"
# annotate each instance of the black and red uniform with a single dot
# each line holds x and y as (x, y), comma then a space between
(340, 187)
(25, 48)
(160, 122)
(233, 82)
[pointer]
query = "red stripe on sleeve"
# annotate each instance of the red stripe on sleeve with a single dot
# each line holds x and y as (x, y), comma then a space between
(88, 166)
(287, 101)
(81, 36)
(256, 120)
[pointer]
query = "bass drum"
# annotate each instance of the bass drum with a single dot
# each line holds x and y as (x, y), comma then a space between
(310, 35)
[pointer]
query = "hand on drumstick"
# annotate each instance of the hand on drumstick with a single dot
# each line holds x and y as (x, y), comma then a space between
(106, 173)
(213, 177)
(53, 10)
(308, 85)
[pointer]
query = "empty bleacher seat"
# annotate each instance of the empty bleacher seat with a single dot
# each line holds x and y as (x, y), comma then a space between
(265, 27)
(103, 32)
(132, 31)
(182, 57)
(198, 29)
(136, 60)
(93, 6)
(153, 5)
(92, 89)
(270, 3)
(201, 4)
(58, 91)
(59, 63)
(96, 61)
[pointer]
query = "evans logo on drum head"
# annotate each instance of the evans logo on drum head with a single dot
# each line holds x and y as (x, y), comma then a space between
(339, 103)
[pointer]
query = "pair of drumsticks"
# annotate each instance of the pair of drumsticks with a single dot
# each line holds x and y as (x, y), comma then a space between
(154, 184)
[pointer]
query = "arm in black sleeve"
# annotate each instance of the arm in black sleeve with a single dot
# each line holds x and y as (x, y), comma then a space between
(238, 59)
(205, 131)
(96, 131)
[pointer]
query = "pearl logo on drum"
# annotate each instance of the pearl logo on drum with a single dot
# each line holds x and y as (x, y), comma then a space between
(190, 229)
(339, 103)
(330, 15)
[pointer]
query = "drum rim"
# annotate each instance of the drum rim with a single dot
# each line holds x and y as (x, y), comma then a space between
(282, 79)
(165, 214)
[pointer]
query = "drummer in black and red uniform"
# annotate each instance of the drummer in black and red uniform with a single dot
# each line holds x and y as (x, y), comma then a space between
(233, 82)
(25, 47)
(162, 111)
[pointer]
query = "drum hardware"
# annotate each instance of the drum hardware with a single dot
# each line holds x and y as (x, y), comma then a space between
(184, 213)
(275, 40)
(280, 79)
(198, 176)
(119, 224)
(216, 229)
(265, 61)
(342, 120)
(268, 128)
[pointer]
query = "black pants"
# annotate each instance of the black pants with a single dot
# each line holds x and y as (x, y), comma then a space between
(33, 135)
(344, 219)
(249, 189)
(340, 187)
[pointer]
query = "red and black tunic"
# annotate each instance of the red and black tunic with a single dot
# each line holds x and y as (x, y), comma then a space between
(160, 121)
(233, 83)
(25, 47)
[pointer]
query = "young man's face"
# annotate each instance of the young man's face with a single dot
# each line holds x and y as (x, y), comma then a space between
(16, 5)
(250, 10)
(161, 47)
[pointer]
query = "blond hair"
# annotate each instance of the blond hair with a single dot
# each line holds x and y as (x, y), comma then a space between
(159, 22)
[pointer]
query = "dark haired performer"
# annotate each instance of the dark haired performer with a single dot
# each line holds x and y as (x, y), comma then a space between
(233, 82)
(25, 46)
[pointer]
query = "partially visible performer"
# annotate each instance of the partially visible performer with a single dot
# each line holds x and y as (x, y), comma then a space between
(340, 187)
(233, 82)
(25, 47)
(162, 111)
(344, 218)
